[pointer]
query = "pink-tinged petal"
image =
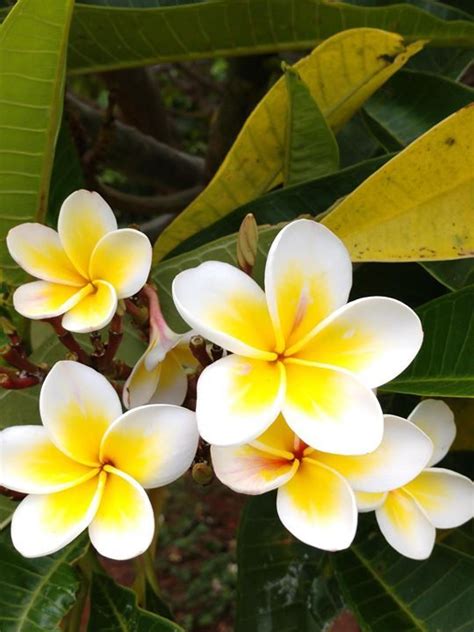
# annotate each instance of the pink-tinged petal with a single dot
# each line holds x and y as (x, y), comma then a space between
(153, 444)
(446, 497)
(368, 501)
(227, 307)
(238, 398)
(400, 457)
(42, 299)
(94, 311)
(123, 259)
(331, 410)
(141, 383)
(84, 218)
(32, 464)
(308, 275)
(38, 250)
(77, 405)
(248, 470)
(45, 523)
(318, 507)
(406, 526)
(123, 526)
(436, 420)
(375, 338)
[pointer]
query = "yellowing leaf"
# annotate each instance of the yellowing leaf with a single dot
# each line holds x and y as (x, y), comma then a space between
(420, 205)
(341, 74)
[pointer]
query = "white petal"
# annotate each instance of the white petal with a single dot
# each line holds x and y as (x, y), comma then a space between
(77, 405)
(123, 259)
(227, 307)
(238, 398)
(124, 524)
(318, 507)
(368, 501)
(94, 311)
(248, 470)
(153, 444)
(307, 276)
(375, 338)
(331, 410)
(42, 299)
(446, 497)
(172, 384)
(436, 420)
(406, 526)
(141, 384)
(43, 524)
(401, 456)
(84, 218)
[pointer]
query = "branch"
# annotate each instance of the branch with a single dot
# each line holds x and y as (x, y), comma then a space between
(148, 205)
(141, 157)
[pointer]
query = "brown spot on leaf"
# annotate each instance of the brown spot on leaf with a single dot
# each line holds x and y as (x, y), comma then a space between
(450, 141)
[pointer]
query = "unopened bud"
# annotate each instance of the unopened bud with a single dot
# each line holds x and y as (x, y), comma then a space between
(197, 344)
(202, 473)
(247, 242)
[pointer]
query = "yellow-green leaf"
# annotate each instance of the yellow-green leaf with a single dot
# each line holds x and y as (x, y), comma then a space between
(418, 206)
(341, 74)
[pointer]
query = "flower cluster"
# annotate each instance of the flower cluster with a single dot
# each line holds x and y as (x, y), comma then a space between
(290, 405)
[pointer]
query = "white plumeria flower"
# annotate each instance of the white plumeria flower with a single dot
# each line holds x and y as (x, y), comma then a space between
(84, 268)
(89, 465)
(298, 349)
(409, 515)
(315, 499)
(160, 376)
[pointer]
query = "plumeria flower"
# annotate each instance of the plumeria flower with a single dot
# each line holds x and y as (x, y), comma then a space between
(409, 515)
(315, 499)
(84, 268)
(89, 465)
(160, 376)
(297, 348)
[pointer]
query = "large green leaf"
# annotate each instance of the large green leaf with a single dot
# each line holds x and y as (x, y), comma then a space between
(283, 584)
(37, 593)
(444, 366)
(453, 274)
(340, 81)
(411, 102)
(311, 150)
(391, 593)
(33, 42)
(114, 608)
(7, 507)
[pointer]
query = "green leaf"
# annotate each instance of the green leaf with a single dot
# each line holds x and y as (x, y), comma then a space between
(311, 150)
(453, 274)
(285, 204)
(283, 584)
(114, 608)
(33, 42)
(340, 81)
(444, 365)
(7, 507)
(411, 102)
(390, 592)
(37, 593)
(448, 62)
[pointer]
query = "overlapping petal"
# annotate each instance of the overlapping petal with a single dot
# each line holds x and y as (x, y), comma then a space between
(278, 439)
(32, 464)
(375, 338)
(44, 523)
(173, 383)
(307, 276)
(124, 524)
(38, 250)
(400, 457)
(123, 259)
(141, 383)
(436, 420)
(94, 311)
(446, 497)
(153, 444)
(368, 501)
(226, 306)
(405, 525)
(331, 410)
(77, 405)
(318, 507)
(249, 470)
(238, 398)
(84, 218)
(42, 299)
